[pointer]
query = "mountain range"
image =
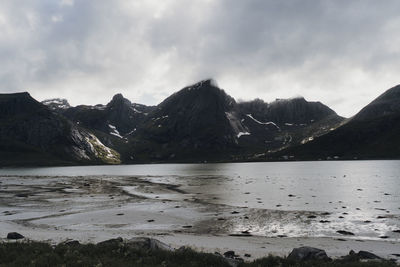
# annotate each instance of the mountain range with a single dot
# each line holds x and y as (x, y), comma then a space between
(196, 124)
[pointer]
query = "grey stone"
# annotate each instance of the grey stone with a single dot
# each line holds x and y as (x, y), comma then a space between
(308, 253)
(14, 235)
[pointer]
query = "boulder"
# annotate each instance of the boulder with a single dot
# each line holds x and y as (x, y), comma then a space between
(308, 253)
(111, 242)
(229, 254)
(147, 243)
(365, 255)
(71, 243)
(342, 232)
(14, 235)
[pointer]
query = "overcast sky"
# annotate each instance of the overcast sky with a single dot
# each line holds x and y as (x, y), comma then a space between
(343, 53)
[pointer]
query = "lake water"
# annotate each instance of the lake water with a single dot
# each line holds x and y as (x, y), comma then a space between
(360, 196)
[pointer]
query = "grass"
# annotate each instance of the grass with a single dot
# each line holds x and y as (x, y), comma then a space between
(121, 254)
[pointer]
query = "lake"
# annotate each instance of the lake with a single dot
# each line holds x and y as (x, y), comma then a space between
(359, 196)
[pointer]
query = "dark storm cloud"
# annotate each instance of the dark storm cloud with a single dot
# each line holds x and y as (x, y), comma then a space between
(343, 53)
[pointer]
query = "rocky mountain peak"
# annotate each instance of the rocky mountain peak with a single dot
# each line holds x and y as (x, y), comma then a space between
(204, 94)
(56, 103)
(119, 100)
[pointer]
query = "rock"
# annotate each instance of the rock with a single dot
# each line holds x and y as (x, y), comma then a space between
(324, 221)
(367, 255)
(247, 255)
(229, 254)
(234, 262)
(308, 253)
(244, 235)
(342, 232)
(396, 231)
(110, 242)
(71, 243)
(311, 217)
(147, 243)
(14, 235)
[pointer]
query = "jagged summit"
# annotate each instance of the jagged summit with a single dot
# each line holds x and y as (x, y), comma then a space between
(203, 94)
(196, 117)
(203, 84)
(292, 110)
(56, 103)
(119, 99)
(291, 99)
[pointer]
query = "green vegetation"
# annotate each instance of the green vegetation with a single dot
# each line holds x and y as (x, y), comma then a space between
(345, 262)
(105, 154)
(121, 254)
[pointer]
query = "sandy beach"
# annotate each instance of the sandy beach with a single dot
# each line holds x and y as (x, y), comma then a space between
(96, 208)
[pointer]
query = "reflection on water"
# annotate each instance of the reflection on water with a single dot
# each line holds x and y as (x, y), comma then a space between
(361, 196)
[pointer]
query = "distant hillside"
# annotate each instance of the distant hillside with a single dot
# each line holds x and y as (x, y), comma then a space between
(202, 122)
(197, 123)
(31, 134)
(373, 133)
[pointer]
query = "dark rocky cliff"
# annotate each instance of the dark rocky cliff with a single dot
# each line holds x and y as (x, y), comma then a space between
(45, 136)
(373, 133)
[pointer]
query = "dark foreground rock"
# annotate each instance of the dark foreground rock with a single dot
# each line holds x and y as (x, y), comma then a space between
(71, 243)
(150, 252)
(361, 255)
(147, 243)
(308, 253)
(14, 235)
(138, 243)
(365, 255)
(342, 232)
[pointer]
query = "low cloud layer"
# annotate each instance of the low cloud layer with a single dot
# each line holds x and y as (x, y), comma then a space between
(343, 53)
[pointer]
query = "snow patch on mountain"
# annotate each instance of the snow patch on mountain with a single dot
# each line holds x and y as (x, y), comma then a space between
(114, 131)
(56, 103)
(264, 123)
(242, 133)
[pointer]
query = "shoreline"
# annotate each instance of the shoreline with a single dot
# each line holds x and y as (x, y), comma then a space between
(91, 209)
(256, 247)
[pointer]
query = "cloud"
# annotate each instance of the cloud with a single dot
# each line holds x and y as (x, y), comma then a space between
(344, 53)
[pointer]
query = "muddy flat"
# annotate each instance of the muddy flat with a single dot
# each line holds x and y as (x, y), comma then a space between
(93, 208)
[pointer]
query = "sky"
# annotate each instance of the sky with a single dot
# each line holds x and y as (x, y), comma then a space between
(343, 53)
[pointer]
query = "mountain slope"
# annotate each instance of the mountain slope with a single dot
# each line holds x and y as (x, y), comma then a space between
(285, 122)
(202, 122)
(372, 133)
(199, 121)
(31, 133)
(119, 117)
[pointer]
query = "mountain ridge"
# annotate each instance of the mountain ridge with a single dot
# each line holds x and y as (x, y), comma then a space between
(198, 123)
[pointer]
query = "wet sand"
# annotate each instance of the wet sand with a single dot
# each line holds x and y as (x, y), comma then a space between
(96, 208)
